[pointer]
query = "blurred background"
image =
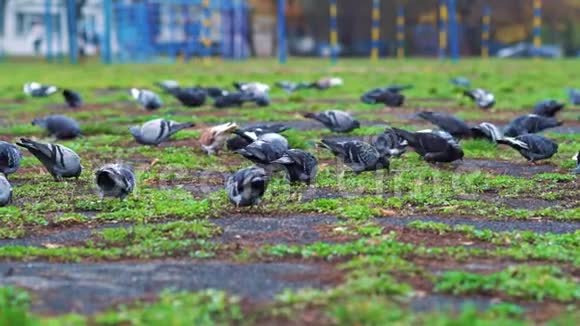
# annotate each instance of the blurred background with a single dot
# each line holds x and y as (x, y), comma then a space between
(169, 30)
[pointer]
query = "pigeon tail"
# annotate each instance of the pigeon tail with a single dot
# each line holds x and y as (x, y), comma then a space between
(513, 142)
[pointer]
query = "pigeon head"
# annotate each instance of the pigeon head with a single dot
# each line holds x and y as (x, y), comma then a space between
(106, 180)
(356, 124)
(577, 158)
(135, 93)
(135, 131)
(40, 122)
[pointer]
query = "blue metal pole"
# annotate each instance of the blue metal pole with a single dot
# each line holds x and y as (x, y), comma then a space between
(282, 47)
(72, 32)
(401, 31)
(537, 31)
(106, 51)
(333, 31)
(453, 32)
(443, 19)
(485, 31)
(48, 29)
(205, 33)
(375, 29)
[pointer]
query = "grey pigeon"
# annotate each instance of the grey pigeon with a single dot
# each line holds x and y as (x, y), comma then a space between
(60, 161)
(486, 130)
(157, 131)
(10, 157)
(35, 89)
(300, 165)
(483, 99)
(451, 124)
(245, 136)
(390, 144)
(461, 82)
(529, 124)
(433, 146)
(146, 98)
(264, 151)
(247, 186)
(72, 98)
(357, 155)
(168, 86)
(533, 147)
(577, 159)
(335, 120)
(574, 95)
(5, 191)
(59, 126)
(115, 180)
(548, 108)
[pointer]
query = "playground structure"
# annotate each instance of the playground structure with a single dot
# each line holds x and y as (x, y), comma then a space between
(171, 30)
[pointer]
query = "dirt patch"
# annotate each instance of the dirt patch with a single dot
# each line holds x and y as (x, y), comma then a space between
(505, 167)
(544, 226)
(523, 203)
(88, 288)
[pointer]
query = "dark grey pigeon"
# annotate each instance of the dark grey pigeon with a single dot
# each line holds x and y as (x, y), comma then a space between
(486, 130)
(264, 151)
(215, 92)
(574, 95)
(59, 126)
(335, 120)
(157, 131)
(461, 82)
(115, 180)
(60, 161)
(72, 98)
(390, 144)
(548, 108)
(190, 97)
(357, 155)
(247, 186)
(449, 123)
(5, 191)
(146, 98)
(533, 147)
(300, 166)
(10, 157)
(529, 124)
(168, 86)
(577, 159)
(483, 99)
(35, 89)
(433, 146)
(384, 96)
(245, 136)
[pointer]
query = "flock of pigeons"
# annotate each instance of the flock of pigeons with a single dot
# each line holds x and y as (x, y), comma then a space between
(268, 149)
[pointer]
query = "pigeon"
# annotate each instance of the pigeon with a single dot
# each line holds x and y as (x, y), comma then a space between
(254, 88)
(397, 88)
(574, 95)
(433, 146)
(461, 82)
(155, 132)
(486, 130)
(215, 92)
(72, 98)
(146, 98)
(290, 87)
(529, 124)
(327, 82)
(115, 180)
(484, 99)
(336, 121)
(533, 147)
(213, 139)
(357, 155)
(389, 144)
(548, 108)
(577, 159)
(247, 135)
(10, 157)
(247, 186)
(60, 161)
(168, 86)
(59, 126)
(383, 95)
(447, 122)
(5, 191)
(35, 89)
(265, 150)
(300, 166)
(190, 97)
(228, 100)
